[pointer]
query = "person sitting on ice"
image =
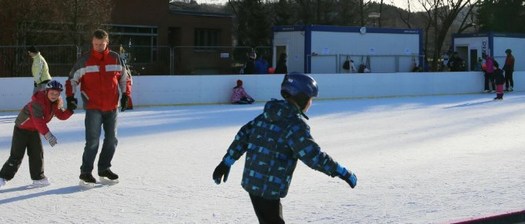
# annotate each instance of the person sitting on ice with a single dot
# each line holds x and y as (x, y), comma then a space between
(29, 125)
(239, 95)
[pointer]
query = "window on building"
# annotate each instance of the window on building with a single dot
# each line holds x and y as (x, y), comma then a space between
(206, 38)
(140, 42)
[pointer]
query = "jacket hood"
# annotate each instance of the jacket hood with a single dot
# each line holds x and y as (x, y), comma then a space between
(40, 96)
(276, 110)
(35, 55)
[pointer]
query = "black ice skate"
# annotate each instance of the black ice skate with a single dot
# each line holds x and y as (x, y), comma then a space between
(87, 180)
(108, 177)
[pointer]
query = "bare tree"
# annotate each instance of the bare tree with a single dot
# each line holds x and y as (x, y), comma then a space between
(283, 12)
(253, 24)
(22, 18)
(80, 17)
(469, 18)
(380, 12)
(304, 11)
(51, 21)
(441, 14)
(406, 15)
(20, 22)
(362, 12)
(347, 12)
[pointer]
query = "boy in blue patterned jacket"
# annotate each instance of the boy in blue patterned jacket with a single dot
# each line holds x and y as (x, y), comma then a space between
(273, 143)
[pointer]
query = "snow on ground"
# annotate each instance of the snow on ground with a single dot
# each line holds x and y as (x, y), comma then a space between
(418, 160)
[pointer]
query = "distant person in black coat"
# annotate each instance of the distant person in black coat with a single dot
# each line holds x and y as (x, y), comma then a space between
(281, 67)
(500, 81)
(455, 63)
(508, 67)
(249, 67)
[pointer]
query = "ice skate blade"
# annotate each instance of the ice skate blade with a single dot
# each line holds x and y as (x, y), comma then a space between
(38, 185)
(86, 185)
(106, 181)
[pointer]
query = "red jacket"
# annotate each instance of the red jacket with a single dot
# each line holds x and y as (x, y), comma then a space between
(100, 76)
(509, 63)
(36, 114)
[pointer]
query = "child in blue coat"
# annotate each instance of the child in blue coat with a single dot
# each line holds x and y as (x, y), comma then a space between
(273, 142)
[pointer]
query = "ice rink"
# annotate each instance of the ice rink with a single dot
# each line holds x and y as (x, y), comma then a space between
(436, 159)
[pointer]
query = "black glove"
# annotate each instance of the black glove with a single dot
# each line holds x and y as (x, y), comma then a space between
(71, 103)
(221, 170)
(124, 102)
(347, 176)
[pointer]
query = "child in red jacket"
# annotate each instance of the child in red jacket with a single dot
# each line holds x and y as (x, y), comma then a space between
(30, 123)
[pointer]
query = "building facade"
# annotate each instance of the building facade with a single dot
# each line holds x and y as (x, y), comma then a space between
(165, 38)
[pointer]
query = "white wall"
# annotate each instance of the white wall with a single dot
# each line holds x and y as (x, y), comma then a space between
(355, 43)
(518, 50)
(500, 45)
(327, 45)
(206, 89)
(473, 43)
(294, 42)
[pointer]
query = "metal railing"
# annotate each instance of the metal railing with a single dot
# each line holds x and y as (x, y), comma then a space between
(333, 63)
(142, 60)
(191, 60)
(16, 62)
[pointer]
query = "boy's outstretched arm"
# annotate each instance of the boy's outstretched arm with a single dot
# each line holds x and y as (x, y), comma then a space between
(309, 152)
(235, 151)
(347, 176)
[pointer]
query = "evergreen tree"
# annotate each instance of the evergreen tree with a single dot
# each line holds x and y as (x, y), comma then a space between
(253, 24)
(502, 16)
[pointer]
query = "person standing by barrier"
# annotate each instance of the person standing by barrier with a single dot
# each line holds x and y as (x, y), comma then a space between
(509, 70)
(250, 67)
(499, 79)
(29, 125)
(456, 63)
(261, 65)
(488, 72)
(281, 67)
(39, 69)
(101, 73)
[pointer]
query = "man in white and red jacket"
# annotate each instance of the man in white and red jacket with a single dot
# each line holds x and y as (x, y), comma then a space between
(103, 78)
(30, 123)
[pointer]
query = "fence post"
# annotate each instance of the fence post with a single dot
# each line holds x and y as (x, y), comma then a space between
(397, 64)
(79, 51)
(172, 60)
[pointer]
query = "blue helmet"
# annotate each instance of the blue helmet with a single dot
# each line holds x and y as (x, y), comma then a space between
(299, 87)
(54, 85)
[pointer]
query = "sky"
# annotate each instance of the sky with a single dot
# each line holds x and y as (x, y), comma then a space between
(434, 159)
(398, 3)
